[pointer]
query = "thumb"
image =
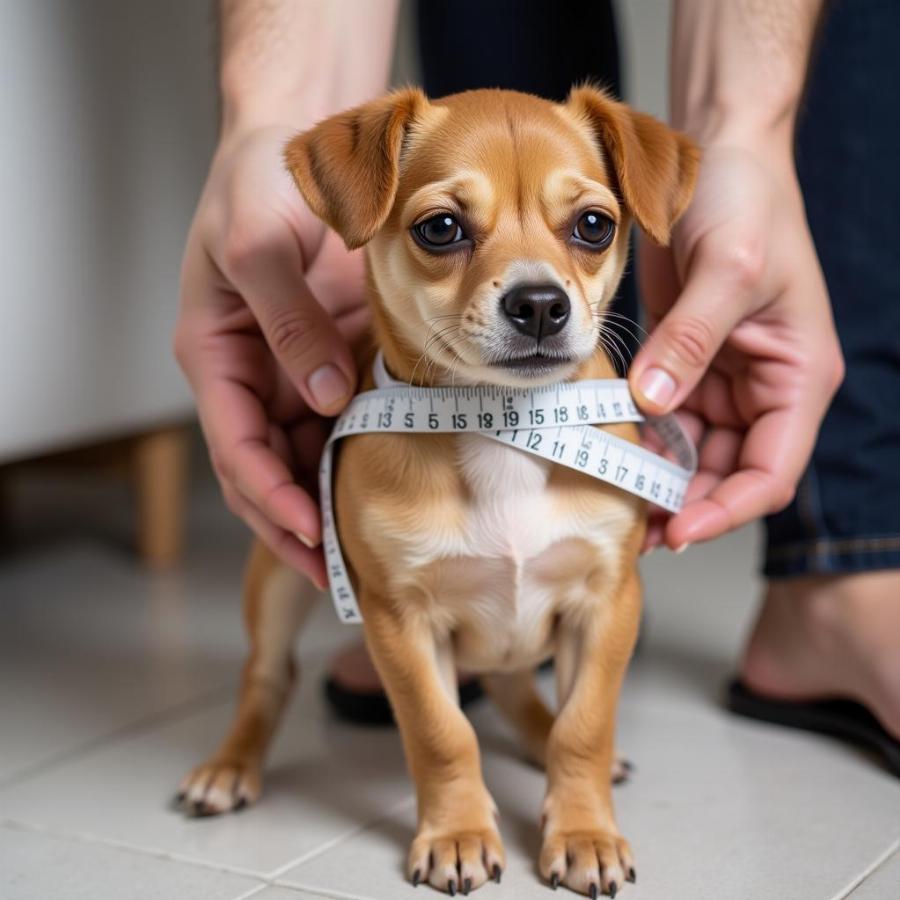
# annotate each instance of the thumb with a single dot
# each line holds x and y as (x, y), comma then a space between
(301, 334)
(680, 349)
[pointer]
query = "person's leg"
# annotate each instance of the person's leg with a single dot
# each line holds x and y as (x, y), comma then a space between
(541, 47)
(830, 622)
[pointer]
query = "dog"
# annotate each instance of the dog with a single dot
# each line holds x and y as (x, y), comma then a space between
(497, 226)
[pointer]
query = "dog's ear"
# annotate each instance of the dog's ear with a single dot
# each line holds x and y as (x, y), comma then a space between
(348, 166)
(655, 166)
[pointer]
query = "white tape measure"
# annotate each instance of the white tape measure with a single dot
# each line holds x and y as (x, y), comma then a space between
(554, 422)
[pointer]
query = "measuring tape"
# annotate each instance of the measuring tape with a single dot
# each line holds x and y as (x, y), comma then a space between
(553, 422)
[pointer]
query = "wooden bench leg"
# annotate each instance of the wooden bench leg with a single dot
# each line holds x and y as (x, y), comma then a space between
(160, 466)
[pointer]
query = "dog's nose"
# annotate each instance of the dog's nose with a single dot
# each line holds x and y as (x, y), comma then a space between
(537, 310)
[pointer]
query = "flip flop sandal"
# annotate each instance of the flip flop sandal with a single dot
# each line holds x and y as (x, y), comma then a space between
(373, 707)
(839, 718)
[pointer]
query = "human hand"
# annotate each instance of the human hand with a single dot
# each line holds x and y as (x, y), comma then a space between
(742, 340)
(270, 300)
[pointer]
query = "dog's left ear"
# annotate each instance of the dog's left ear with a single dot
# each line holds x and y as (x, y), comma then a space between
(348, 166)
(655, 166)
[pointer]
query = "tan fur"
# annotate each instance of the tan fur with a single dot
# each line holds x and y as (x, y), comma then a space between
(516, 170)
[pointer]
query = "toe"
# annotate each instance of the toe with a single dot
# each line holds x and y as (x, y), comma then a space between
(472, 871)
(611, 874)
(621, 770)
(583, 873)
(445, 866)
(216, 788)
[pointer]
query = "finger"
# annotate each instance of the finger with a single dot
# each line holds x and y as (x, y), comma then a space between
(771, 462)
(720, 451)
(283, 544)
(681, 347)
(237, 433)
(302, 335)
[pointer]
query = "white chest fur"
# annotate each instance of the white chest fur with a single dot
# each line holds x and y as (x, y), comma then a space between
(510, 513)
(487, 573)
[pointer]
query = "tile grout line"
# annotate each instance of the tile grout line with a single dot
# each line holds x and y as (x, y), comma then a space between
(263, 881)
(129, 729)
(337, 839)
(330, 893)
(868, 871)
(258, 889)
(152, 852)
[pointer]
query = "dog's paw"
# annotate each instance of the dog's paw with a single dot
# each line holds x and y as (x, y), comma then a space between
(621, 770)
(456, 861)
(219, 787)
(592, 862)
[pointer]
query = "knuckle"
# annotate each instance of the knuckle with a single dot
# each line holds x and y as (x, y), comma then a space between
(742, 262)
(222, 467)
(181, 347)
(229, 495)
(293, 333)
(243, 246)
(782, 497)
(690, 339)
(838, 371)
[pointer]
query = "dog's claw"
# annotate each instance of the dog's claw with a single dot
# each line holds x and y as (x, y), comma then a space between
(632, 875)
(451, 888)
(241, 804)
(613, 887)
(497, 872)
(467, 886)
(592, 891)
(417, 877)
(554, 880)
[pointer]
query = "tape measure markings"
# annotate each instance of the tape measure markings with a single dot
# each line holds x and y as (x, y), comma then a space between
(503, 414)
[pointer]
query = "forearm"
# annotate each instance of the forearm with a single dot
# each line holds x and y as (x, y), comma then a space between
(739, 66)
(297, 61)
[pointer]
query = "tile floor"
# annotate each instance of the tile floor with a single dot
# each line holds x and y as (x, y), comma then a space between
(113, 682)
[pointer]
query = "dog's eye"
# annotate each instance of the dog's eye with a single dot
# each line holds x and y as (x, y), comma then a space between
(594, 229)
(439, 232)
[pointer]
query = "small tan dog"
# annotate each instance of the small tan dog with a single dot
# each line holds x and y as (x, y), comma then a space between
(496, 225)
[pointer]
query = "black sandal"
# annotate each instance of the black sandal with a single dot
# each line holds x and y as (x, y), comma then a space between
(844, 719)
(373, 707)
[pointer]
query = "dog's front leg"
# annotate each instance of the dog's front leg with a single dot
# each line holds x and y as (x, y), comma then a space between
(457, 845)
(582, 847)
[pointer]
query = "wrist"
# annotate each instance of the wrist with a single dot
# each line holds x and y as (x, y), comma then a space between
(246, 109)
(718, 122)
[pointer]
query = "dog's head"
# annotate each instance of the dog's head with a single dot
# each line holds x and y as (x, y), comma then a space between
(497, 222)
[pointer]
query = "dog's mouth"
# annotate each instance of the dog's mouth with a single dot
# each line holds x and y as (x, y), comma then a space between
(535, 364)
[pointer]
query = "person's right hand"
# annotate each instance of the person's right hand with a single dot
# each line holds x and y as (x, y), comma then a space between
(270, 300)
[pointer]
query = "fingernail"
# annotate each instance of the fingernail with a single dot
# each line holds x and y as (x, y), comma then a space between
(657, 386)
(682, 548)
(328, 385)
(306, 541)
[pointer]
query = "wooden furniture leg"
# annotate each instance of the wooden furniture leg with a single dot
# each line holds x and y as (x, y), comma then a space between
(160, 466)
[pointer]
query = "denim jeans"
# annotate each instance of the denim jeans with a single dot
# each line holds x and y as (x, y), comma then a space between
(846, 515)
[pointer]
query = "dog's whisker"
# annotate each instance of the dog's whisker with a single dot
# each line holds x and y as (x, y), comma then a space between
(625, 322)
(428, 342)
(612, 349)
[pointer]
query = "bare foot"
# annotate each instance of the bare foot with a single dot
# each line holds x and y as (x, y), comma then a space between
(828, 637)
